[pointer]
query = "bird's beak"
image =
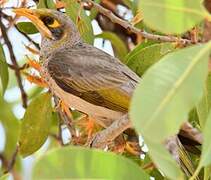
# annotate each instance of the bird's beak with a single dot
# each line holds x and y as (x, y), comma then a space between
(33, 15)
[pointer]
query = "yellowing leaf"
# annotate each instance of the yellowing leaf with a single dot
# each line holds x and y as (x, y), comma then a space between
(35, 124)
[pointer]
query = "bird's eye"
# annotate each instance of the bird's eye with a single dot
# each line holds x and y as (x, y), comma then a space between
(50, 22)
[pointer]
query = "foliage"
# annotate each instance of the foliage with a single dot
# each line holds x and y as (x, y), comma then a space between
(175, 82)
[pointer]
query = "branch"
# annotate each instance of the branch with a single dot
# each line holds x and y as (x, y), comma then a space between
(14, 62)
(130, 27)
(103, 138)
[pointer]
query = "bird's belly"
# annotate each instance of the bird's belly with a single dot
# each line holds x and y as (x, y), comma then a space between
(98, 112)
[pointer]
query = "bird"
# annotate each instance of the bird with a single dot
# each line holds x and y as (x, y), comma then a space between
(83, 76)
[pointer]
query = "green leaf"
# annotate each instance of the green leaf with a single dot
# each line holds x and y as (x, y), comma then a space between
(11, 127)
(42, 4)
(128, 3)
(36, 124)
(78, 163)
(206, 147)
(79, 17)
(140, 59)
(94, 12)
(51, 4)
(170, 16)
(119, 46)
(27, 28)
(168, 91)
(4, 177)
(204, 105)
(4, 73)
(163, 160)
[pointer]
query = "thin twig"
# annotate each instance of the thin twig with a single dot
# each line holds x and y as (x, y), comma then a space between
(14, 62)
(13, 160)
(127, 25)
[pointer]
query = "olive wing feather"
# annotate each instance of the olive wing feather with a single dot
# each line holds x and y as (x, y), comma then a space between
(94, 76)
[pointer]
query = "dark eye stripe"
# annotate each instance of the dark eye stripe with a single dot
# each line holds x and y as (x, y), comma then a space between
(47, 20)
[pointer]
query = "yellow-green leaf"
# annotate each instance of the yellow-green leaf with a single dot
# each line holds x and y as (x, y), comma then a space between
(35, 124)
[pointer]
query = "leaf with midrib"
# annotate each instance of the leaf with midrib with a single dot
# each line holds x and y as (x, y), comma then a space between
(35, 124)
(170, 16)
(83, 163)
(168, 91)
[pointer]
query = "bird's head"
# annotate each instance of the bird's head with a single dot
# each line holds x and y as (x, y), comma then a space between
(55, 27)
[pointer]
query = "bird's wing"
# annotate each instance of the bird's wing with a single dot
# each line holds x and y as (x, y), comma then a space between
(94, 76)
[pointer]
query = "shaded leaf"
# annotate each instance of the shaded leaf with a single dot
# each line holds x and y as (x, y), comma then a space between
(78, 162)
(4, 73)
(170, 16)
(36, 124)
(82, 21)
(27, 27)
(168, 91)
(140, 59)
(119, 46)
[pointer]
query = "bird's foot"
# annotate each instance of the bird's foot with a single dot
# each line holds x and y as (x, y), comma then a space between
(106, 136)
(88, 127)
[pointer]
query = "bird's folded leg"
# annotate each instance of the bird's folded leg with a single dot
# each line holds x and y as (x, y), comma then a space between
(65, 108)
(103, 138)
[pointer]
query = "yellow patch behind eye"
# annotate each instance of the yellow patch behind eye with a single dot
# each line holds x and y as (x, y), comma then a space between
(54, 25)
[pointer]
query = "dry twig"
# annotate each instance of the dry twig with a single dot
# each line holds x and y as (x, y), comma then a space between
(127, 25)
